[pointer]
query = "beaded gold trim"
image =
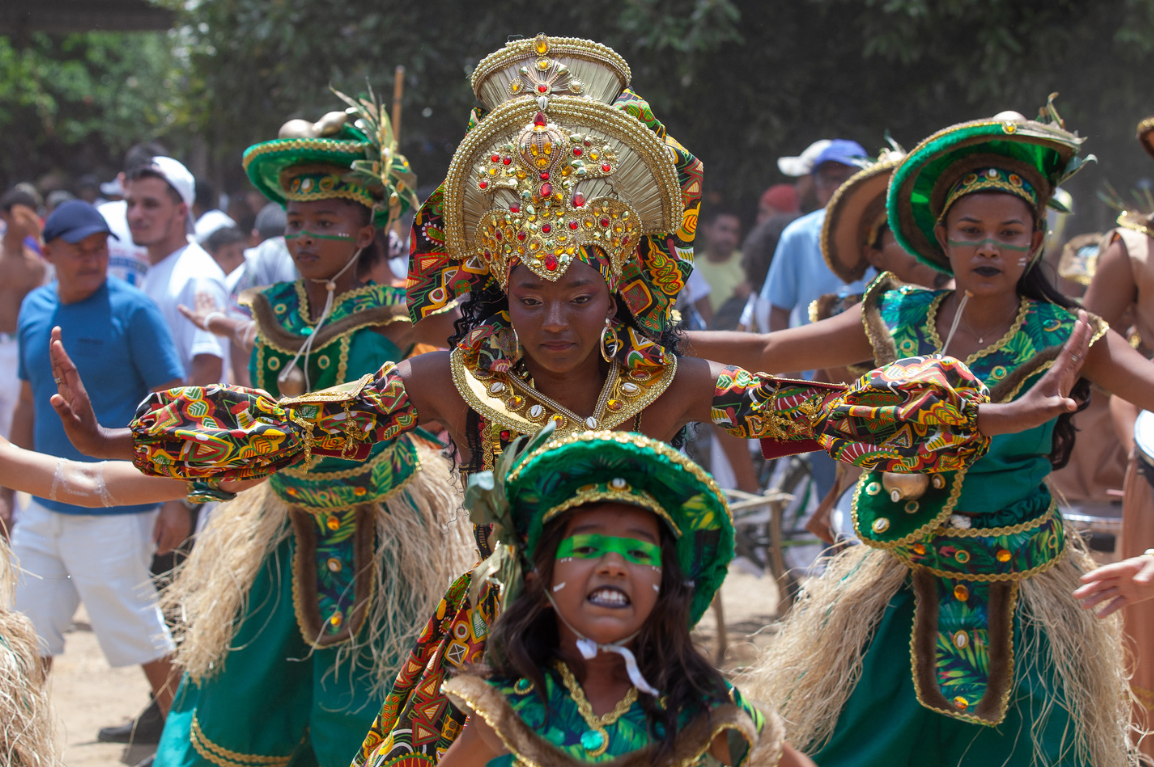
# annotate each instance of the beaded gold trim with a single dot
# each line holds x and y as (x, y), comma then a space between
(1137, 223)
(628, 438)
(941, 516)
(222, 757)
(953, 575)
(992, 532)
(527, 50)
(497, 409)
(955, 714)
(599, 494)
(292, 146)
(936, 340)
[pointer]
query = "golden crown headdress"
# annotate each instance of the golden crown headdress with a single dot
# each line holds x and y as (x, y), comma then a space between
(554, 166)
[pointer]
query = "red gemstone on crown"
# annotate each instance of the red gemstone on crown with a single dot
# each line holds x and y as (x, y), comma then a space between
(542, 88)
(587, 142)
(604, 222)
(544, 176)
(546, 189)
(488, 255)
(514, 208)
(551, 263)
(539, 120)
(497, 234)
(605, 167)
(496, 158)
(546, 228)
(521, 236)
(577, 151)
(578, 200)
(484, 184)
(572, 224)
(625, 240)
(507, 160)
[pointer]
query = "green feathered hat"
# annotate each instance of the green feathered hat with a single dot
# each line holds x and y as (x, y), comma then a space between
(1005, 153)
(349, 155)
(543, 477)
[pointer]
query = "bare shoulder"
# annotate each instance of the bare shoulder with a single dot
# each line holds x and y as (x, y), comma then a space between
(429, 383)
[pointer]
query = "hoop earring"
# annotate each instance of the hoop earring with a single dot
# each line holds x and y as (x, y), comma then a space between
(517, 351)
(614, 342)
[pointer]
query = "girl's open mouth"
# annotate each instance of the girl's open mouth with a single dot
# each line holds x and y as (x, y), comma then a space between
(607, 596)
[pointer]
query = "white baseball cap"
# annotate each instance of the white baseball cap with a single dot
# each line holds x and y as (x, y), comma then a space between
(802, 165)
(177, 176)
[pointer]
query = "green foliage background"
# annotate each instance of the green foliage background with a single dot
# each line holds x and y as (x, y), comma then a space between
(739, 82)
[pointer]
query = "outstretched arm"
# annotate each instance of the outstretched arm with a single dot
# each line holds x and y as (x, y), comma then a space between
(840, 340)
(91, 485)
(1115, 366)
(869, 423)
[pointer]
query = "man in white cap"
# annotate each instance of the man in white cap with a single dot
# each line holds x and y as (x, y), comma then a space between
(159, 197)
(801, 168)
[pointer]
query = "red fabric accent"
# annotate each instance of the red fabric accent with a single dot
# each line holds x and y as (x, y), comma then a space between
(772, 448)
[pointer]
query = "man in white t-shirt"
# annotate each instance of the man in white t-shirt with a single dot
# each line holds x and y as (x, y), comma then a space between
(159, 196)
(127, 260)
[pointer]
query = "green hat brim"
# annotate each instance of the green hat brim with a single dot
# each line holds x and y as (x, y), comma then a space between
(265, 162)
(1040, 153)
(551, 475)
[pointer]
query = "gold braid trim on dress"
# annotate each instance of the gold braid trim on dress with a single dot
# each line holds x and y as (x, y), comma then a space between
(474, 694)
(223, 757)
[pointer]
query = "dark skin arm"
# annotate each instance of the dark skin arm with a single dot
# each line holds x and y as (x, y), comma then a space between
(1113, 290)
(835, 342)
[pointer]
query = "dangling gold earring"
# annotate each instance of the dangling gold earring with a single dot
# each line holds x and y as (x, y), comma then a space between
(609, 355)
(516, 345)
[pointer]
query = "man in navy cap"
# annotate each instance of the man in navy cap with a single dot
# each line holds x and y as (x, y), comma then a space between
(68, 554)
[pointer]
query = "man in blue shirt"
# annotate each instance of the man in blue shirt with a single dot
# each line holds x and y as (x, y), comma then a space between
(67, 554)
(798, 274)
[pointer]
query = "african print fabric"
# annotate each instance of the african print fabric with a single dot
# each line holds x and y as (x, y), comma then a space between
(914, 415)
(966, 566)
(417, 722)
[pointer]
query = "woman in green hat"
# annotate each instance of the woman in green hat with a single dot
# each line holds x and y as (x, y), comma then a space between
(612, 546)
(302, 595)
(568, 215)
(951, 636)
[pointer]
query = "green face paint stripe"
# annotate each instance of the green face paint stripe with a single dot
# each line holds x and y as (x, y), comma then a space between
(306, 233)
(597, 546)
(995, 243)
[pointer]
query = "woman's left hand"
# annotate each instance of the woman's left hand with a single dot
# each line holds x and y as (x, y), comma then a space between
(1123, 583)
(1047, 399)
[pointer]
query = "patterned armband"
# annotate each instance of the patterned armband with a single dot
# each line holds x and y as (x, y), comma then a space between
(207, 491)
(757, 406)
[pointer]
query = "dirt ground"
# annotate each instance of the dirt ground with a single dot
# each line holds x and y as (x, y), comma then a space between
(88, 694)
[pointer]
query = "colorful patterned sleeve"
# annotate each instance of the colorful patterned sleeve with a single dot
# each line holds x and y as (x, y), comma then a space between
(230, 432)
(915, 415)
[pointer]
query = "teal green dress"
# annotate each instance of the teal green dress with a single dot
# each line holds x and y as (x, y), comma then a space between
(940, 684)
(549, 729)
(296, 686)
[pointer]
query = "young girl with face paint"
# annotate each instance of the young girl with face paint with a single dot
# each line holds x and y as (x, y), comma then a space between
(592, 659)
(1002, 666)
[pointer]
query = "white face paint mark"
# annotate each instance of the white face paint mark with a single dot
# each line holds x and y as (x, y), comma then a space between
(558, 587)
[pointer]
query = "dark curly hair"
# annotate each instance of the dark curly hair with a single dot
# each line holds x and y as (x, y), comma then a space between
(525, 640)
